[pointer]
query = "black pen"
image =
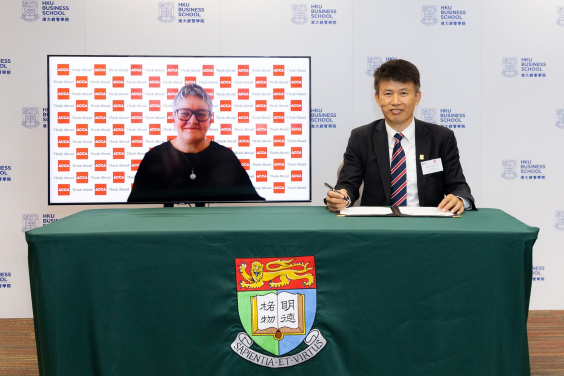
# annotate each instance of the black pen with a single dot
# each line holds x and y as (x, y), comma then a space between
(334, 190)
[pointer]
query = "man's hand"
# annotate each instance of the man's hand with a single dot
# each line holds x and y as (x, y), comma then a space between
(336, 202)
(452, 203)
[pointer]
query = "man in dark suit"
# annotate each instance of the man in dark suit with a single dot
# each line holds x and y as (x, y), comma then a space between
(399, 158)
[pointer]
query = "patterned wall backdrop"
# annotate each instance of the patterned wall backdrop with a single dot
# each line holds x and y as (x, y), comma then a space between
(491, 71)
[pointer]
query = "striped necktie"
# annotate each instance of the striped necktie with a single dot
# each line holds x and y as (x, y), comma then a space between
(399, 177)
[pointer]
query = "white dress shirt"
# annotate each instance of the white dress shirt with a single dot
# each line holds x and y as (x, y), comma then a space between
(408, 145)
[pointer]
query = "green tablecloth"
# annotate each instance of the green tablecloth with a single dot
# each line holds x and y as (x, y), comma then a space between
(153, 292)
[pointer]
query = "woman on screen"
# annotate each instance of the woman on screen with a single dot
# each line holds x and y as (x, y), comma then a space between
(191, 168)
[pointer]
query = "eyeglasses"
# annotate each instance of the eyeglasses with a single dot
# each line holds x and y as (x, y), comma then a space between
(184, 114)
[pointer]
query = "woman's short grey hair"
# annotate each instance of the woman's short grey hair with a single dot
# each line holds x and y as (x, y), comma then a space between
(192, 90)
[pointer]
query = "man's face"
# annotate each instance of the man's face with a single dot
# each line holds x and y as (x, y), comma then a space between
(397, 101)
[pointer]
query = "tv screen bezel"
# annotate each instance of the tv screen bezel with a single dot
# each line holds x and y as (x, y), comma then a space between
(166, 202)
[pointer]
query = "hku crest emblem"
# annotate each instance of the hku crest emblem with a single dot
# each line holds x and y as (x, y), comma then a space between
(29, 10)
(560, 118)
(560, 19)
(277, 302)
(299, 14)
(509, 171)
(428, 115)
(30, 117)
(166, 12)
(30, 221)
(373, 63)
(559, 220)
(429, 15)
(509, 67)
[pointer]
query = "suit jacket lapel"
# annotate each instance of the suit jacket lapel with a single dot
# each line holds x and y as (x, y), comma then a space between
(380, 139)
(422, 147)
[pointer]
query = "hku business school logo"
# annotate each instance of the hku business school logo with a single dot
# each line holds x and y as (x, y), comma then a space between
(30, 221)
(373, 63)
(510, 67)
(299, 14)
(538, 273)
(560, 19)
(509, 169)
(30, 117)
(277, 302)
(166, 12)
(560, 118)
(29, 11)
(429, 115)
(429, 15)
(559, 224)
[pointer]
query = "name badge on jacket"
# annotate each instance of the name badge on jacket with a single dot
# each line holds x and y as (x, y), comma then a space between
(431, 166)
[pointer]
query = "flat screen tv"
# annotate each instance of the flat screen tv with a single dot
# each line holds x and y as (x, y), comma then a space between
(238, 132)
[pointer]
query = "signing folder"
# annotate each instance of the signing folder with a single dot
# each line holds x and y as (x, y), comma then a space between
(395, 211)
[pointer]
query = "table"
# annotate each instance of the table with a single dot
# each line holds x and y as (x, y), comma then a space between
(153, 291)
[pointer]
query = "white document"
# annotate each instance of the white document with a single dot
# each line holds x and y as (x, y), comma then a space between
(366, 211)
(424, 211)
(432, 166)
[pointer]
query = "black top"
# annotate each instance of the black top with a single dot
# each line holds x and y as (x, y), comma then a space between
(164, 176)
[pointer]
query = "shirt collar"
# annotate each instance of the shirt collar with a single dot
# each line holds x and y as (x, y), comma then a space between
(408, 133)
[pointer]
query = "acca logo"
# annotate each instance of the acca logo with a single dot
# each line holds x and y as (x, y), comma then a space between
(62, 70)
(242, 70)
(118, 129)
(279, 164)
(279, 187)
(81, 153)
(63, 190)
(99, 69)
(63, 93)
(166, 12)
(246, 163)
(82, 129)
(172, 70)
(225, 82)
(207, 70)
(211, 92)
(244, 141)
(261, 176)
(155, 82)
(136, 69)
(100, 165)
(63, 165)
(99, 189)
(296, 175)
(136, 93)
(243, 94)
(99, 93)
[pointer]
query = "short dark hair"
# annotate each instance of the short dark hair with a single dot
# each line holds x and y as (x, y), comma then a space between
(397, 70)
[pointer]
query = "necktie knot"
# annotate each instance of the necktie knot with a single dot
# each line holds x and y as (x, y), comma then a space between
(398, 137)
